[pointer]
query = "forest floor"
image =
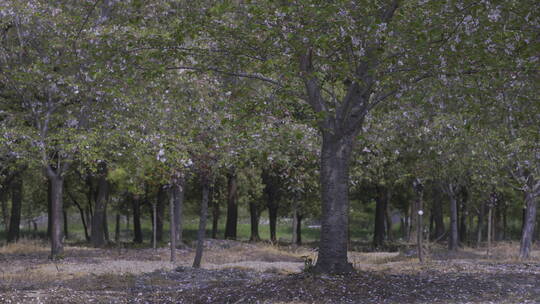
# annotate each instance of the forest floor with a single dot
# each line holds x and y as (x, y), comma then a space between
(239, 272)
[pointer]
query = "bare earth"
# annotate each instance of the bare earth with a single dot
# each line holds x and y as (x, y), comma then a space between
(236, 272)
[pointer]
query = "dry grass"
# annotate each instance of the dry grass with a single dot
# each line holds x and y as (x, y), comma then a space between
(24, 246)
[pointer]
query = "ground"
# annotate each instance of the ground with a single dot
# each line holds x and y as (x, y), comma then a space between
(239, 272)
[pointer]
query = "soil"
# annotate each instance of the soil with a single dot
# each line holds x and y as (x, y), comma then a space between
(236, 272)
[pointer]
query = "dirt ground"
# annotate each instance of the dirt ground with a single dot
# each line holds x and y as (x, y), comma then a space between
(237, 272)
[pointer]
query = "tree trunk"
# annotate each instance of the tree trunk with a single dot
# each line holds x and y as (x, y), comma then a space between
(57, 187)
(66, 231)
(154, 224)
(83, 220)
(489, 228)
(378, 233)
(437, 212)
(335, 158)
(172, 220)
(98, 219)
(117, 228)
(106, 225)
(179, 191)
(528, 226)
(480, 224)
(136, 206)
(16, 204)
(216, 212)
(202, 224)
(413, 212)
(160, 213)
(388, 217)
(453, 237)
(463, 215)
(272, 201)
(294, 239)
(232, 206)
(49, 208)
(254, 217)
(3, 201)
(299, 229)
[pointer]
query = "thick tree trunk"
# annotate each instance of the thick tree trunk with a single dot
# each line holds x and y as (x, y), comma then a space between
(335, 158)
(232, 206)
(388, 217)
(98, 220)
(160, 213)
(137, 231)
(528, 226)
(453, 239)
(413, 217)
(179, 190)
(16, 204)
(202, 224)
(57, 187)
(380, 209)
(254, 217)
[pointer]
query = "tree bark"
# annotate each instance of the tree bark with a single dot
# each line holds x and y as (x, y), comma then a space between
(3, 202)
(380, 209)
(464, 214)
(202, 223)
(160, 213)
(137, 232)
(480, 224)
(335, 158)
(437, 212)
(528, 226)
(49, 208)
(216, 212)
(388, 216)
(57, 187)
(294, 238)
(66, 230)
(117, 228)
(16, 204)
(254, 216)
(272, 201)
(178, 190)
(453, 238)
(232, 206)
(172, 228)
(98, 219)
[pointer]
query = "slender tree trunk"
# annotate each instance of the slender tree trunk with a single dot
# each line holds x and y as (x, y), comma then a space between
(136, 206)
(272, 217)
(388, 216)
(83, 219)
(49, 208)
(437, 212)
(3, 202)
(413, 217)
(202, 223)
(294, 239)
(179, 191)
(154, 226)
(272, 201)
(254, 217)
(335, 158)
(489, 229)
(528, 226)
(160, 213)
(57, 187)
(505, 221)
(106, 225)
(232, 206)
(299, 229)
(66, 230)
(172, 220)
(98, 219)
(16, 204)
(117, 228)
(480, 224)
(378, 233)
(216, 212)
(454, 236)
